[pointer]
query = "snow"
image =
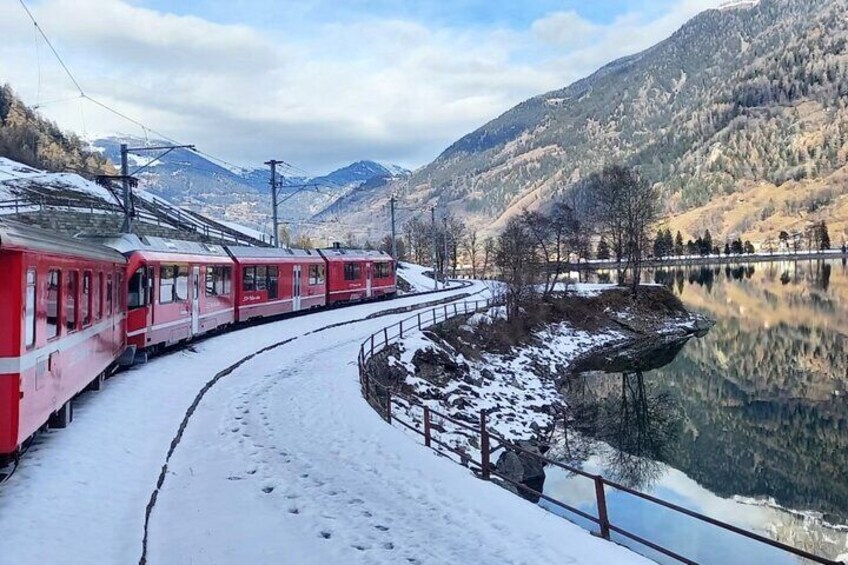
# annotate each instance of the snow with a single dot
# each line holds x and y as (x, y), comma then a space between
(417, 279)
(282, 461)
(250, 232)
(14, 174)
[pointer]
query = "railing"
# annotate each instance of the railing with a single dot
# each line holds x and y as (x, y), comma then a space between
(157, 214)
(387, 400)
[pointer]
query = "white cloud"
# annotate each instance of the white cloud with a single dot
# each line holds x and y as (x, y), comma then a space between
(389, 89)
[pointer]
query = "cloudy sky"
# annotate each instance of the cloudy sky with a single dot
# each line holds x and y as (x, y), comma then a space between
(321, 83)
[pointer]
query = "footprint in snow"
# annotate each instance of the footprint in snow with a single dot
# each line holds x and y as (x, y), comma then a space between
(382, 528)
(294, 510)
(326, 535)
(268, 489)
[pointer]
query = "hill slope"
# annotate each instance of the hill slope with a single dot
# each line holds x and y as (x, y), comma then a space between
(739, 99)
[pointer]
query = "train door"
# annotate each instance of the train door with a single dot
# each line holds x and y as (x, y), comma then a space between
(368, 280)
(296, 288)
(195, 300)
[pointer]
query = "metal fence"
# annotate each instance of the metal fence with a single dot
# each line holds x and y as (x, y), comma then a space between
(395, 406)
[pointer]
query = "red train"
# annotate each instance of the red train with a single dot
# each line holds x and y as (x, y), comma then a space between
(73, 311)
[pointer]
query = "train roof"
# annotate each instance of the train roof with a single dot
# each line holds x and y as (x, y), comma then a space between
(245, 252)
(129, 243)
(23, 237)
(342, 253)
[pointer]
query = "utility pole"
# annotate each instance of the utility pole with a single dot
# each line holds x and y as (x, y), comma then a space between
(394, 237)
(445, 263)
(273, 164)
(125, 185)
(127, 178)
(435, 258)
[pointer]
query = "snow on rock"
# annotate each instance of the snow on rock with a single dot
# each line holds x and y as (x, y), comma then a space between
(16, 176)
(283, 461)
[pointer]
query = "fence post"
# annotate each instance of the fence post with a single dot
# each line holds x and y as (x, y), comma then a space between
(427, 426)
(389, 405)
(603, 518)
(484, 446)
(446, 311)
(434, 315)
(372, 345)
(419, 322)
(386, 336)
(454, 309)
(401, 329)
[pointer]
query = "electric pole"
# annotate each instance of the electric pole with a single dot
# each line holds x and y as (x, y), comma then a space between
(125, 185)
(127, 179)
(394, 237)
(445, 263)
(435, 258)
(273, 164)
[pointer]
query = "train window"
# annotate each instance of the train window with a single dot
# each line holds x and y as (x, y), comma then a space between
(71, 286)
(226, 277)
(382, 270)
(95, 299)
(109, 297)
(261, 278)
(181, 288)
(316, 274)
(352, 271)
(137, 289)
(212, 274)
(273, 282)
(167, 281)
(85, 299)
(54, 282)
(248, 279)
(29, 320)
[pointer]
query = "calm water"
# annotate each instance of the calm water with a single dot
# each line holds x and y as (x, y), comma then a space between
(748, 424)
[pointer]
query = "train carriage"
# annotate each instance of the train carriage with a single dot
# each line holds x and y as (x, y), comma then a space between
(62, 315)
(271, 282)
(176, 290)
(358, 274)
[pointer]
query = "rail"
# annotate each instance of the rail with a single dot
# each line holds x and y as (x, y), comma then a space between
(387, 400)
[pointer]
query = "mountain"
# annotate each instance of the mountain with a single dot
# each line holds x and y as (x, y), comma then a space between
(360, 172)
(30, 139)
(192, 180)
(740, 117)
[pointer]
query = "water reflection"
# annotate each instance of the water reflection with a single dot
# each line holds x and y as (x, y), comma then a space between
(756, 411)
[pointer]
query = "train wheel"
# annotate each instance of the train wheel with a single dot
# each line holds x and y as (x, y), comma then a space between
(63, 417)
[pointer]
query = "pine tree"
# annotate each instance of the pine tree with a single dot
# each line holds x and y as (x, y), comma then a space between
(678, 244)
(603, 252)
(726, 248)
(824, 236)
(708, 242)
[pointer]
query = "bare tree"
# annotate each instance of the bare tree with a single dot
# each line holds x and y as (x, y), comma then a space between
(625, 208)
(518, 266)
(471, 248)
(488, 255)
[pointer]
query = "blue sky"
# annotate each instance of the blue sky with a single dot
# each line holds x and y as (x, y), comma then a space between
(320, 83)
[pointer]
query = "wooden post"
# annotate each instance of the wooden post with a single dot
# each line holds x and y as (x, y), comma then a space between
(401, 329)
(454, 309)
(484, 446)
(386, 336)
(427, 426)
(419, 321)
(367, 384)
(389, 405)
(372, 345)
(446, 311)
(603, 518)
(434, 315)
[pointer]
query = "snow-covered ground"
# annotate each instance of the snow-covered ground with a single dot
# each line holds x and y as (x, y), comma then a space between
(414, 275)
(283, 461)
(14, 174)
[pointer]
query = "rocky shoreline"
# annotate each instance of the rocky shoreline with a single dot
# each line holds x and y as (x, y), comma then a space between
(480, 363)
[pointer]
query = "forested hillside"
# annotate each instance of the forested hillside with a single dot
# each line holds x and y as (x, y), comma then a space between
(737, 99)
(27, 137)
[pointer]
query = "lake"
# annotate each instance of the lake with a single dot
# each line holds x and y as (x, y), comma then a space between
(748, 425)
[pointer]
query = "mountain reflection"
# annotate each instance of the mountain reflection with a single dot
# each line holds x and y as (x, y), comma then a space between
(757, 408)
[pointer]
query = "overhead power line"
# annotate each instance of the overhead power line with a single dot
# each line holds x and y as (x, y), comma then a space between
(145, 129)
